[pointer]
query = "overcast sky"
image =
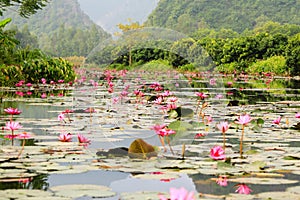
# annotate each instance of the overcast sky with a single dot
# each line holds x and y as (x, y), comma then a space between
(109, 13)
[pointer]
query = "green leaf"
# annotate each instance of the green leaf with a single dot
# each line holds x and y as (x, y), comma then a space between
(4, 22)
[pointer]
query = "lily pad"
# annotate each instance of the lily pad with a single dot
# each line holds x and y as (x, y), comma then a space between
(141, 195)
(295, 190)
(278, 195)
(158, 176)
(141, 149)
(263, 181)
(254, 166)
(76, 191)
(23, 193)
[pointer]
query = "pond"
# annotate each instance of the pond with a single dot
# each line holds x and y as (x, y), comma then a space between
(113, 109)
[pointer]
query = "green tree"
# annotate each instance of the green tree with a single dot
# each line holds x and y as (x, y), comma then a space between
(27, 40)
(7, 43)
(293, 55)
(24, 7)
(131, 37)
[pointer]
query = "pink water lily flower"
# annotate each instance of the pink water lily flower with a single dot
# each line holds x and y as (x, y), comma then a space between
(61, 117)
(209, 119)
(173, 99)
(212, 81)
(277, 121)
(217, 153)
(10, 136)
(171, 106)
(222, 181)
(65, 137)
(12, 111)
(179, 194)
(297, 115)
(158, 127)
(158, 100)
(244, 119)
(43, 80)
(243, 189)
(166, 132)
(166, 93)
(11, 125)
(24, 135)
(201, 95)
(44, 95)
(223, 126)
(82, 139)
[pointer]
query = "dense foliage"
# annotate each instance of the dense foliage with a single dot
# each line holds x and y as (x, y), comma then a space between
(273, 49)
(190, 15)
(61, 29)
(25, 63)
(24, 7)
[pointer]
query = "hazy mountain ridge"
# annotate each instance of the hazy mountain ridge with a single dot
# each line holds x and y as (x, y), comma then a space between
(189, 15)
(57, 12)
(62, 28)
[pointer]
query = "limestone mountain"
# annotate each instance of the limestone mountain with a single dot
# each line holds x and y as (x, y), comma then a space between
(62, 28)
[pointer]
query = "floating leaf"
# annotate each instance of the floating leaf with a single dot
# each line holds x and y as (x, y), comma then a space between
(295, 190)
(180, 126)
(263, 181)
(141, 195)
(278, 195)
(23, 193)
(254, 166)
(76, 191)
(158, 176)
(141, 149)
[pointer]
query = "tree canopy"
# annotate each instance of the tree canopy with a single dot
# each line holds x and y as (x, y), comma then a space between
(190, 15)
(24, 7)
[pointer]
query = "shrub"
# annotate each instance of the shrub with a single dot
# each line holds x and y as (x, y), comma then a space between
(34, 70)
(275, 64)
(227, 68)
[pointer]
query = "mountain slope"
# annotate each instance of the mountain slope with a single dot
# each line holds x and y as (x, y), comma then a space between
(189, 15)
(57, 12)
(62, 28)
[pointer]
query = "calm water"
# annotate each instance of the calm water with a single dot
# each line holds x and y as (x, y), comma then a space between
(123, 182)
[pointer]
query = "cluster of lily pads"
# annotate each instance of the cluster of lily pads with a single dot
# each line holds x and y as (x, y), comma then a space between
(205, 135)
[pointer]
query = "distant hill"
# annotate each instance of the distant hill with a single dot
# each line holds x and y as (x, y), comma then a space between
(189, 15)
(49, 19)
(62, 28)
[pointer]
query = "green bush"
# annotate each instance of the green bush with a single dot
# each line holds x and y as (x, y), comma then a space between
(48, 68)
(187, 67)
(227, 68)
(34, 70)
(156, 65)
(9, 75)
(275, 64)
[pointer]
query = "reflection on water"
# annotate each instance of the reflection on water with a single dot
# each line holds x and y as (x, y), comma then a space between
(38, 182)
(205, 185)
(120, 182)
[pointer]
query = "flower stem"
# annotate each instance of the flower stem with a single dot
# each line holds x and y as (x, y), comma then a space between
(224, 140)
(241, 142)
(162, 142)
(168, 140)
(23, 144)
(12, 137)
(198, 104)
